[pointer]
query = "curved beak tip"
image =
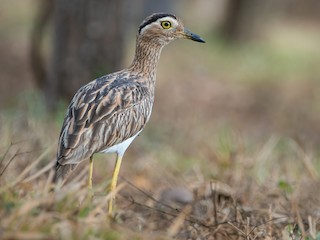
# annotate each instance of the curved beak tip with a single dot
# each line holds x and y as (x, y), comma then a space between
(192, 36)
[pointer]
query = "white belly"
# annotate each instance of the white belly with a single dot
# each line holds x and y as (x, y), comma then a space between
(120, 148)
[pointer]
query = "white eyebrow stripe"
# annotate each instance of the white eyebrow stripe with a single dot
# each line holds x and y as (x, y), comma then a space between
(170, 19)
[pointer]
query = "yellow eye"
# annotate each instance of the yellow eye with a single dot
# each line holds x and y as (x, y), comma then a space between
(166, 24)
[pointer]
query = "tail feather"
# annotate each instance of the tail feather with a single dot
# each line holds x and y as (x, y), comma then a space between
(63, 171)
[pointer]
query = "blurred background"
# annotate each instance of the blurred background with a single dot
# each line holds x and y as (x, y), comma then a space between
(243, 110)
(253, 86)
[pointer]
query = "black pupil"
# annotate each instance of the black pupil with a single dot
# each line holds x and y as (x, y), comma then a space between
(166, 24)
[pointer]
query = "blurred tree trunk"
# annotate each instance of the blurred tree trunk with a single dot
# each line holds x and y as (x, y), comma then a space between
(239, 20)
(87, 42)
(231, 25)
(245, 19)
(37, 59)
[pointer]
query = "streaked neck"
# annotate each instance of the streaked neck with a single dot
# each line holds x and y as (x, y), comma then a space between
(146, 57)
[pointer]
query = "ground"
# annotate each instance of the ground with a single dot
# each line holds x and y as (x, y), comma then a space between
(231, 151)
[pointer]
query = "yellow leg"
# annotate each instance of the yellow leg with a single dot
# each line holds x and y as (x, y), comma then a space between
(114, 180)
(90, 174)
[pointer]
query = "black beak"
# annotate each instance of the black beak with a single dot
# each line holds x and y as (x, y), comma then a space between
(192, 36)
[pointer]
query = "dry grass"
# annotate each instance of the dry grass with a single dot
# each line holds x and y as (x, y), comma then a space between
(30, 210)
(231, 151)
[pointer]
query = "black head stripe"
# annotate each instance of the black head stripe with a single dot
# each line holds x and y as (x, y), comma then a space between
(154, 17)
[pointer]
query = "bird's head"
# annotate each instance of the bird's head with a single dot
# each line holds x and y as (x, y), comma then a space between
(162, 28)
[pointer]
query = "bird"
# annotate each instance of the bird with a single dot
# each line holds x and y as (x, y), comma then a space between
(108, 113)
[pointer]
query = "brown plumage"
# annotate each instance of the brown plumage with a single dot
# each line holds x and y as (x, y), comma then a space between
(108, 113)
(103, 113)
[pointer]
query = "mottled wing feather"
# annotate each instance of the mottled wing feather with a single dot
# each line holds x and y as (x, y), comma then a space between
(103, 113)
